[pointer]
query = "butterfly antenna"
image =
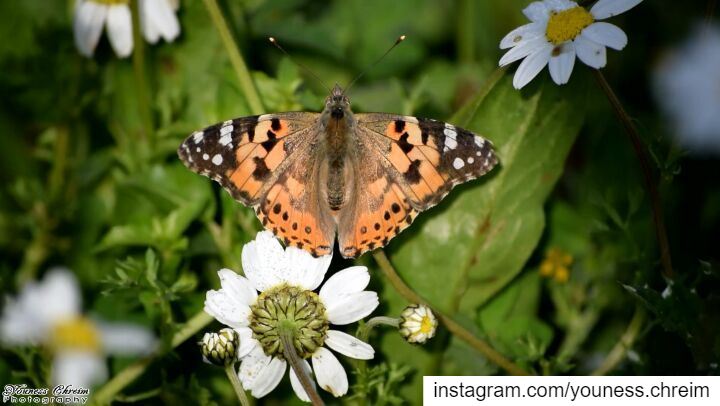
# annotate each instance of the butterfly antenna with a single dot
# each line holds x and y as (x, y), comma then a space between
(397, 41)
(274, 42)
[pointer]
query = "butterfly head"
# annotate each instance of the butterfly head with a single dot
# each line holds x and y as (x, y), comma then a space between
(337, 103)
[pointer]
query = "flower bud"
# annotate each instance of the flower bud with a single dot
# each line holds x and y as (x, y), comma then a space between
(220, 348)
(417, 324)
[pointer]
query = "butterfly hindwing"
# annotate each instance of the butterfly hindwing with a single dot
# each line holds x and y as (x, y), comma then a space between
(292, 211)
(263, 161)
(406, 165)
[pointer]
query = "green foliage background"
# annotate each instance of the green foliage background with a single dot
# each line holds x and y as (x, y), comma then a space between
(90, 181)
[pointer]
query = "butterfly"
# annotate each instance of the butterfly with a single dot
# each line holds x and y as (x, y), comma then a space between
(313, 176)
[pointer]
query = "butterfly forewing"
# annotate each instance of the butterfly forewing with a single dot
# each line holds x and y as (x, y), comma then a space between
(265, 162)
(405, 165)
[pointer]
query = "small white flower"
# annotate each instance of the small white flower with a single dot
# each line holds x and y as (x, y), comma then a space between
(286, 279)
(220, 348)
(687, 87)
(49, 313)
(417, 324)
(157, 19)
(559, 31)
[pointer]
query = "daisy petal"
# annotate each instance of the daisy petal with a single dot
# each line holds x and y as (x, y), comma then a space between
(252, 365)
(305, 270)
(537, 11)
(608, 8)
(350, 308)
(606, 34)
(561, 63)
(29, 318)
(531, 66)
(590, 52)
(269, 378)
(247, 342)
(78, 368)
(88, 25)
(159, 15)
(149, 29)
(560, 5)
(347, 281)
(126, 339)
(119, 27)
(263, 261)
(524, 49)
(237, 286)
(297, 386)
(225, 309)
(330, 374)
(348, 345)
(520, 34)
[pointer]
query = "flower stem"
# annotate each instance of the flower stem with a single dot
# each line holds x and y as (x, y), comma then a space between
(138, 60)
(626, 341)
(236, 384)
(648, 181)
(364, 331)
(241, 70)
(286, 336)
(453, 326)
(108, 391)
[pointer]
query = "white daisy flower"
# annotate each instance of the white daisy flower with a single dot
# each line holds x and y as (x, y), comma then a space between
(48, 313)
(559, 31)
(417, 324)
(157, 19)
(286, 279)
(687, 87)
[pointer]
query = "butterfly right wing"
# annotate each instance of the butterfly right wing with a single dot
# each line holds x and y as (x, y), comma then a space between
(263, 162)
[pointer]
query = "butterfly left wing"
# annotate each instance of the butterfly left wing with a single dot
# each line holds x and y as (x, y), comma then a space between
(265, 163)
(406, 165)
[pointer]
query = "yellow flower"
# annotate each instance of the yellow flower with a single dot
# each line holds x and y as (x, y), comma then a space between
(556, 265)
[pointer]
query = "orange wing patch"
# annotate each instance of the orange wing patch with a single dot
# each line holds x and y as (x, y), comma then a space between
(381, 213)
(431, 157)
(284, 212)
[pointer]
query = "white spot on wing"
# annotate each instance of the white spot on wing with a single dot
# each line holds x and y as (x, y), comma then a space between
(450, 141)
(226, 129)
(198, 136)
(471, 160)
(479, 142)
(225, 139)
(458, 163)
(206, 157)
(217, 159)
(197, 149)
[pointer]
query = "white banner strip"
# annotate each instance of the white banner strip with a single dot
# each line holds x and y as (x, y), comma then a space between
(572, 390)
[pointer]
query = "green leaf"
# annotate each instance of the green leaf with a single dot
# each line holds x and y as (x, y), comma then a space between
(478, 239)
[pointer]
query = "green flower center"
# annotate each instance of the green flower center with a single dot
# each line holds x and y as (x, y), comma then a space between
(565, 25)
(293, 309)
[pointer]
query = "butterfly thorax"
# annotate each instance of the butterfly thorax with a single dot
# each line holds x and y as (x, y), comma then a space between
(339, 125)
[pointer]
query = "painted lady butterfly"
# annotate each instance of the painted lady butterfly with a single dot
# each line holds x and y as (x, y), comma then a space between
(310, 176)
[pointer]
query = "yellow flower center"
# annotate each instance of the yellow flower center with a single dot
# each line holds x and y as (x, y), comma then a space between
(78, 333)
(426, 325)
(565, 25)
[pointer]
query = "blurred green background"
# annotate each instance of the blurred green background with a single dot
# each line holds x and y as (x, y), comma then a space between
(90, 180)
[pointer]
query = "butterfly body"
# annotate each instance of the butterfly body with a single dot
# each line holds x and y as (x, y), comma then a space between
(313, 176)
